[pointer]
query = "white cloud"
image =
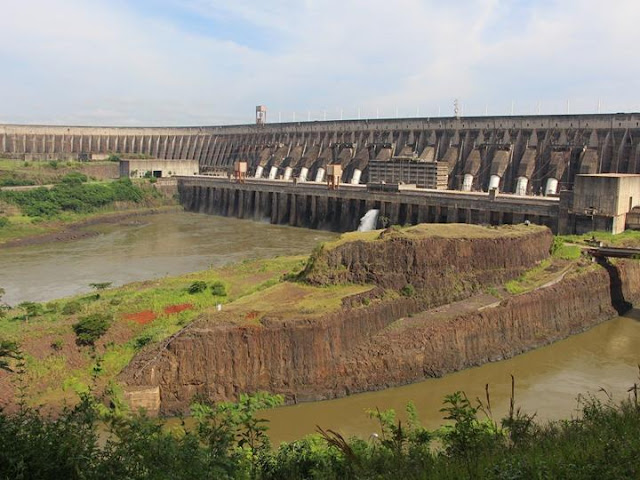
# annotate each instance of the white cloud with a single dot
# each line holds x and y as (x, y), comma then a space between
(104, 62)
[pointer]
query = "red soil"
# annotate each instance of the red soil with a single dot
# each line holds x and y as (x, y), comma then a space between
(178, 308)
(143, 317)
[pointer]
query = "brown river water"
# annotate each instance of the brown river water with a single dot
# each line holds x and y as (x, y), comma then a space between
(548, 380)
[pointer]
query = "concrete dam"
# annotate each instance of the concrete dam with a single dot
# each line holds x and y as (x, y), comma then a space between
(532, 158)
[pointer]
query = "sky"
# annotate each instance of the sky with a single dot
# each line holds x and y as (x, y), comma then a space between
(210, 62)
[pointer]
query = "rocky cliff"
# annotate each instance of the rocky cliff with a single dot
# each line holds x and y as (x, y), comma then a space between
(364, 347)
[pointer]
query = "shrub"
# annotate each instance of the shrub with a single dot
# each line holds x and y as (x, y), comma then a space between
(91, 328)
(218, 289)
(113, 158)
(71, 308)
(32, 309)
(197, 287)
(142, 340)
(53, 164)
(51, 307)
(74, 178)
(74, 196)
(4, 221)
(408, 290)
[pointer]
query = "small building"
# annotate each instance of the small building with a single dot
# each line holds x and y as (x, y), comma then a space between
(140, 168)
(603, 201)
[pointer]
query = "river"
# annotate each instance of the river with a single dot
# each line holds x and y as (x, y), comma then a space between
(142, 248)
(548, 380)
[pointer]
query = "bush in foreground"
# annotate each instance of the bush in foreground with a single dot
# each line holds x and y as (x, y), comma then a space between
(230, 441)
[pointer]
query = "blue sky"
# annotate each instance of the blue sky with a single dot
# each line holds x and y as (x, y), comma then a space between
(207, 62)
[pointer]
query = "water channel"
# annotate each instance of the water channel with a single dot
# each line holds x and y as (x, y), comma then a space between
(548, 380)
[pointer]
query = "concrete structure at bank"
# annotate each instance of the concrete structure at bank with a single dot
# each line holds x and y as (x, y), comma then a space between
(537, 161)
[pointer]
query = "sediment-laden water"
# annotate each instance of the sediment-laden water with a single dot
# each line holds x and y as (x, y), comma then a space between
(142, 248)
(548, 382)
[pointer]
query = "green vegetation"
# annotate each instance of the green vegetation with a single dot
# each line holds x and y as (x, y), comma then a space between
(560, 249)
(14, 180)
(147, 312)
(26, 213)
(74, 178)
(528, 280)
(197, 287)
(230, 441)
(408, 290)
(8, 350)
(15, 173)
(90, 328)
(72, 196)
(218, 289)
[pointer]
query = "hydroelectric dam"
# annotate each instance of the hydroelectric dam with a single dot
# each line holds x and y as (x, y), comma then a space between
(573, 173)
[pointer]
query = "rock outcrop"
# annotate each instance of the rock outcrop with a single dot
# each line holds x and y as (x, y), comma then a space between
(387, 342)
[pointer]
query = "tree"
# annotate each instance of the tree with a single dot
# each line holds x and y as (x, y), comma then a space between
(91, 328)
(197, 287)
(32, 309)
(8, 350)
(218, 289)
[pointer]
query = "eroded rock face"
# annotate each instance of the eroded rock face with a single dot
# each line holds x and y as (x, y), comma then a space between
(430, 347)
(431, 263)
(352, 350)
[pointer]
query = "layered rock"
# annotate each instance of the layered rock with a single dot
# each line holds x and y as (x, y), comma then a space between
(378, 340)
(316, 358)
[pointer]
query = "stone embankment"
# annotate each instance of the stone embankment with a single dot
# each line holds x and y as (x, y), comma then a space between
(373, 343)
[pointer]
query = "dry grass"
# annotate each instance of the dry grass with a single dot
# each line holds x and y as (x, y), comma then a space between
(443, 230)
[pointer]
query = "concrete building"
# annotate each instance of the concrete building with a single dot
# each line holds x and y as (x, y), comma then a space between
(602, 201)
(157, 168)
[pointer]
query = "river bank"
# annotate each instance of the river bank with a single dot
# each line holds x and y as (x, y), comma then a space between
(62, 212)
(75, 227)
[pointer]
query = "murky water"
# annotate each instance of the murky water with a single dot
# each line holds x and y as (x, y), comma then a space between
(548, 380)
(143, 248)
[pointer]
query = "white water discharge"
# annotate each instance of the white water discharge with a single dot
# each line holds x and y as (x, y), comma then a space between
(369, 221)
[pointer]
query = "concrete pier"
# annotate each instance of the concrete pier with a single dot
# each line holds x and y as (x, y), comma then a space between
(314, 206)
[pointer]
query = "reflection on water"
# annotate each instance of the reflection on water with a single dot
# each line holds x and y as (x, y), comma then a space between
(548, 381)
(146, 247)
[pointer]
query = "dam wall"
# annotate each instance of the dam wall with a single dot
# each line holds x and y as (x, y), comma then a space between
(312, 205)
(516, 154)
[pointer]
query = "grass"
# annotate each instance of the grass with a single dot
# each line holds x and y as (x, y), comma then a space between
(19, 172)
(628, 238)
(530, 279)
(446, 230)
